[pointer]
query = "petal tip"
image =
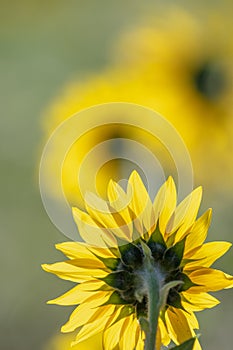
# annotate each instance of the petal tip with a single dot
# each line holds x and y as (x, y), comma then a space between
(58, 246)
(75, 210)
(199, 190)
(66, 328)
(45, 267)
(170, 180)
(134, 173)
(209, 214)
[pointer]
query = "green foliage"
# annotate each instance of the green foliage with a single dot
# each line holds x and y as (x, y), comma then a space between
(187, 345)
(157, 237)
(121, 280)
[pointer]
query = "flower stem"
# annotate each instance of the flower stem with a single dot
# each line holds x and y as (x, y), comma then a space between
(153, 299)
(153, 312)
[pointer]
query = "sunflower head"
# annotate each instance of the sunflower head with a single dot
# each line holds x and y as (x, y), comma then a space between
(135, 249)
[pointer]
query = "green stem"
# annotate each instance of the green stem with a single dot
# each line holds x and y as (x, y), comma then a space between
(153, 311)
(156, 297)
(153, 299)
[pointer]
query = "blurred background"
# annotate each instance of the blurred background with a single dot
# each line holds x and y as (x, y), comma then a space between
(58, 57)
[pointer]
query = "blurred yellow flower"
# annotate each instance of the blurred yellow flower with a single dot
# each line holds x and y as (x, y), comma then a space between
(179, 64)
(63, 342)
(186, 61)
(111, 269)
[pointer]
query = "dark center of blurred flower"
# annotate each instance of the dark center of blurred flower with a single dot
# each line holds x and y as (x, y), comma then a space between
(210, 80)
(116, 144)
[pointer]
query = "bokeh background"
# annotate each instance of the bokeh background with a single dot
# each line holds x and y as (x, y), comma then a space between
(45, 46)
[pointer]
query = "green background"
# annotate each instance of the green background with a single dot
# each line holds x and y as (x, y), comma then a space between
(43, 46)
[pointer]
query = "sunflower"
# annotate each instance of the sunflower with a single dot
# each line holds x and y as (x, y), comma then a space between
(113, 275)
(180, 65)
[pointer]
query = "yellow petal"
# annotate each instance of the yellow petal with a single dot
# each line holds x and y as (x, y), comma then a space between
(125, 334)
(92, 263)
(159, 201)
(200, 301)
(99, 211)
(169, 205)
(197, 345)
(90, 231)
(141, 338)
(140, 345)
(103, 252)
(140, 203)
(119, 203)
(93, 284)
(164, 334)
(198, 233)
(74, 250)
(138, 194)
(68, 271)
(192, 320)
(119, 200)
(100, 319)
(85, 311)
(112, 334)
(128, 333)
(178, 327)
(210, 280)
(186, 212)
(208, 253)
(135, 329)
(75, 295)
(115, 315)
(158, 342)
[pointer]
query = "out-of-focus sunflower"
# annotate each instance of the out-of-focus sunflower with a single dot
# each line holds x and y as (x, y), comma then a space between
(180, 65)
(120, 142)
(63, 342)
(114, 278)
(186, 60)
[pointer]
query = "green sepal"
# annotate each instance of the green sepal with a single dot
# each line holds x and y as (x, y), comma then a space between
(177, 302)
(111, 263)
(146, 251)
(187, 345)
(174, 255)
(164, 291)
(121, 280)
(115, 251)
(124, 246)
(171, 239)
(115, 299)
(136, 236)
(131, 255)
(178, 248)
(157, 237)
(187, 283)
